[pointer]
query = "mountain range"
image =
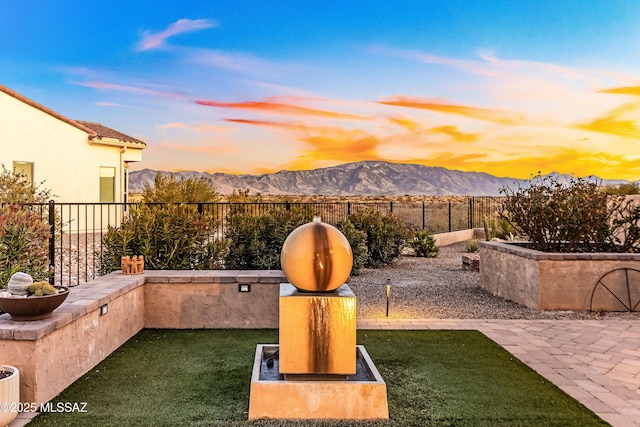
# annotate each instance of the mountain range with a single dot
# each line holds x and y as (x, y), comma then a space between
(365, 178)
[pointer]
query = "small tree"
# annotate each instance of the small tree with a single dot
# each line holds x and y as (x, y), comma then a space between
(16, 188)
(167, 189)
(24, 236)
(24, 239)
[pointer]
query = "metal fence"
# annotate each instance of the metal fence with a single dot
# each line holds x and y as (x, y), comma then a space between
(77, 229)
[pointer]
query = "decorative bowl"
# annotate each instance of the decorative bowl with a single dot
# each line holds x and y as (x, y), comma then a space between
(33, 308)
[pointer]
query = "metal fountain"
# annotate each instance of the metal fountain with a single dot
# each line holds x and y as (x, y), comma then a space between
(317, 371)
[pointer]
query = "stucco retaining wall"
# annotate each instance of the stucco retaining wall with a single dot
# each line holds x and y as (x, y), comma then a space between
(52, 353)
(213, 302)
(553, 281)
(444, 239)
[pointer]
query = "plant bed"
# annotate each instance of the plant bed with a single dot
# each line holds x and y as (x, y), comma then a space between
(202, 377)
(33, 307)
(559, 281)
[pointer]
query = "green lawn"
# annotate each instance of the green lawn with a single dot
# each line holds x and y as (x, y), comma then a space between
(201, 378)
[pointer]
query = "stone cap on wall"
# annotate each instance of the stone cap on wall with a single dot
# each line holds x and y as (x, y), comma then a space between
(517, 249)
(89, 296)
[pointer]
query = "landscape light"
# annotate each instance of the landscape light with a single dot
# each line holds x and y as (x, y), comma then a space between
(388, 294)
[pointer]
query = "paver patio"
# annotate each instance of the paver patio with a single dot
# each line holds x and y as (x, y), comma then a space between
(597, 362)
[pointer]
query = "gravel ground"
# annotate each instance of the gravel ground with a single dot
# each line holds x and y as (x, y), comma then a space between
(438, 288)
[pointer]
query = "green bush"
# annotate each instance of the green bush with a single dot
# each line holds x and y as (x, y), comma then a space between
(424, 244)
(386, 235)
(24, 243)
(171, 237)
(256, 240)
(575, 216)
(358, 241)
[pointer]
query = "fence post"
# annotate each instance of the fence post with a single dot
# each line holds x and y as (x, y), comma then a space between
(200, 208)
(52, 242)
(423, 222)
(449, 216)
(348, 208)
(470, 213)
(391, 206)
(287, 206)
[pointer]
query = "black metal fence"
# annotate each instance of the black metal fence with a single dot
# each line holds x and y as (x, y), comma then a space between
(77, 229)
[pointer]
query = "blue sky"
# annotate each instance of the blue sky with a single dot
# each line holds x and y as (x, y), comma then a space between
(505, 87)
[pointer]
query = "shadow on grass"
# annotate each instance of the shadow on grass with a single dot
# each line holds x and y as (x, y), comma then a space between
(202, 377)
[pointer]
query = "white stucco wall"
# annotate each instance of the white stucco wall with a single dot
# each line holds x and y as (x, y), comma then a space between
(61, 153)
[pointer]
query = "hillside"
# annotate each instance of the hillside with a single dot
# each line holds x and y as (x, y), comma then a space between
(367, 178)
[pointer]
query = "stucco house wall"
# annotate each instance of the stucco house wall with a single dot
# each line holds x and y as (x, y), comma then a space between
(66, 154)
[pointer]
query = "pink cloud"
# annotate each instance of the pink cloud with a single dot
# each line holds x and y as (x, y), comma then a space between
(157, 40)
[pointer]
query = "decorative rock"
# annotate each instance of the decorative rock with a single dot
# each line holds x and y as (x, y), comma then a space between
(19, 283)
(471, 262)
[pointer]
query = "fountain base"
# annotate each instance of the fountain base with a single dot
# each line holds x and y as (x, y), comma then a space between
(362, 396)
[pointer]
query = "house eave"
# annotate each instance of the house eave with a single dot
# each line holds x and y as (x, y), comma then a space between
(113, 142)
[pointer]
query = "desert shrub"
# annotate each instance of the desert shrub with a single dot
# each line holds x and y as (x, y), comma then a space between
(358, 241)
(167, 189)
(256, 240)
(497, 228)
(471, 246)
(24, 243)
(575, 216)
(386, 235)
(424, 244)
(171, 237)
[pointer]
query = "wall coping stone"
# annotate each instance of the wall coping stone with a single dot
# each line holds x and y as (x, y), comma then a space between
(89, 296)
(516, 249)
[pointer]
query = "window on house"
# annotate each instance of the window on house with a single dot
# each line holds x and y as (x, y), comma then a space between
(25, 168)
(107, 184)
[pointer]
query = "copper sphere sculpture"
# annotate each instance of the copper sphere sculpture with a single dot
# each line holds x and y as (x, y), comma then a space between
(316, 257)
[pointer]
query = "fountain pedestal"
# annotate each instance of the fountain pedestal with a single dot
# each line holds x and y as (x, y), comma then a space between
(317, 332)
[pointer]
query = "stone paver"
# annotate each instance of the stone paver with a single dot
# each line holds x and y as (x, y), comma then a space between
(597, 362)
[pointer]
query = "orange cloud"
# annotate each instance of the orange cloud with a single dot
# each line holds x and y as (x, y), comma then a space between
(264, 123)
(409, 124)
(269, 106)
(494, 116)
(519, 165)
(616, 122)
(455, 134)
(626, 90)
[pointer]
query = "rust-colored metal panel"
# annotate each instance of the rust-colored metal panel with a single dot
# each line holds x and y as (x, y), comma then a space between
(317, 331)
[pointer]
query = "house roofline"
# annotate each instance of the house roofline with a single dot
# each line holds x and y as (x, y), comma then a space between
(46, 110)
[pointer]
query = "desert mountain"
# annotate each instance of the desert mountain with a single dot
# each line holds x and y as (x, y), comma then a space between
(366, 178)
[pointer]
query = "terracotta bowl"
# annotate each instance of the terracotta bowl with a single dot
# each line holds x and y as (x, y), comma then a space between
(34, 308)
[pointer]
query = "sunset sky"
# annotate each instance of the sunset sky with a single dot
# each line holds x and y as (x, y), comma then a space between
(499, 86)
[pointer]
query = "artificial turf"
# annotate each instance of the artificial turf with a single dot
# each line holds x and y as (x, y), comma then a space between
(202, 378)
